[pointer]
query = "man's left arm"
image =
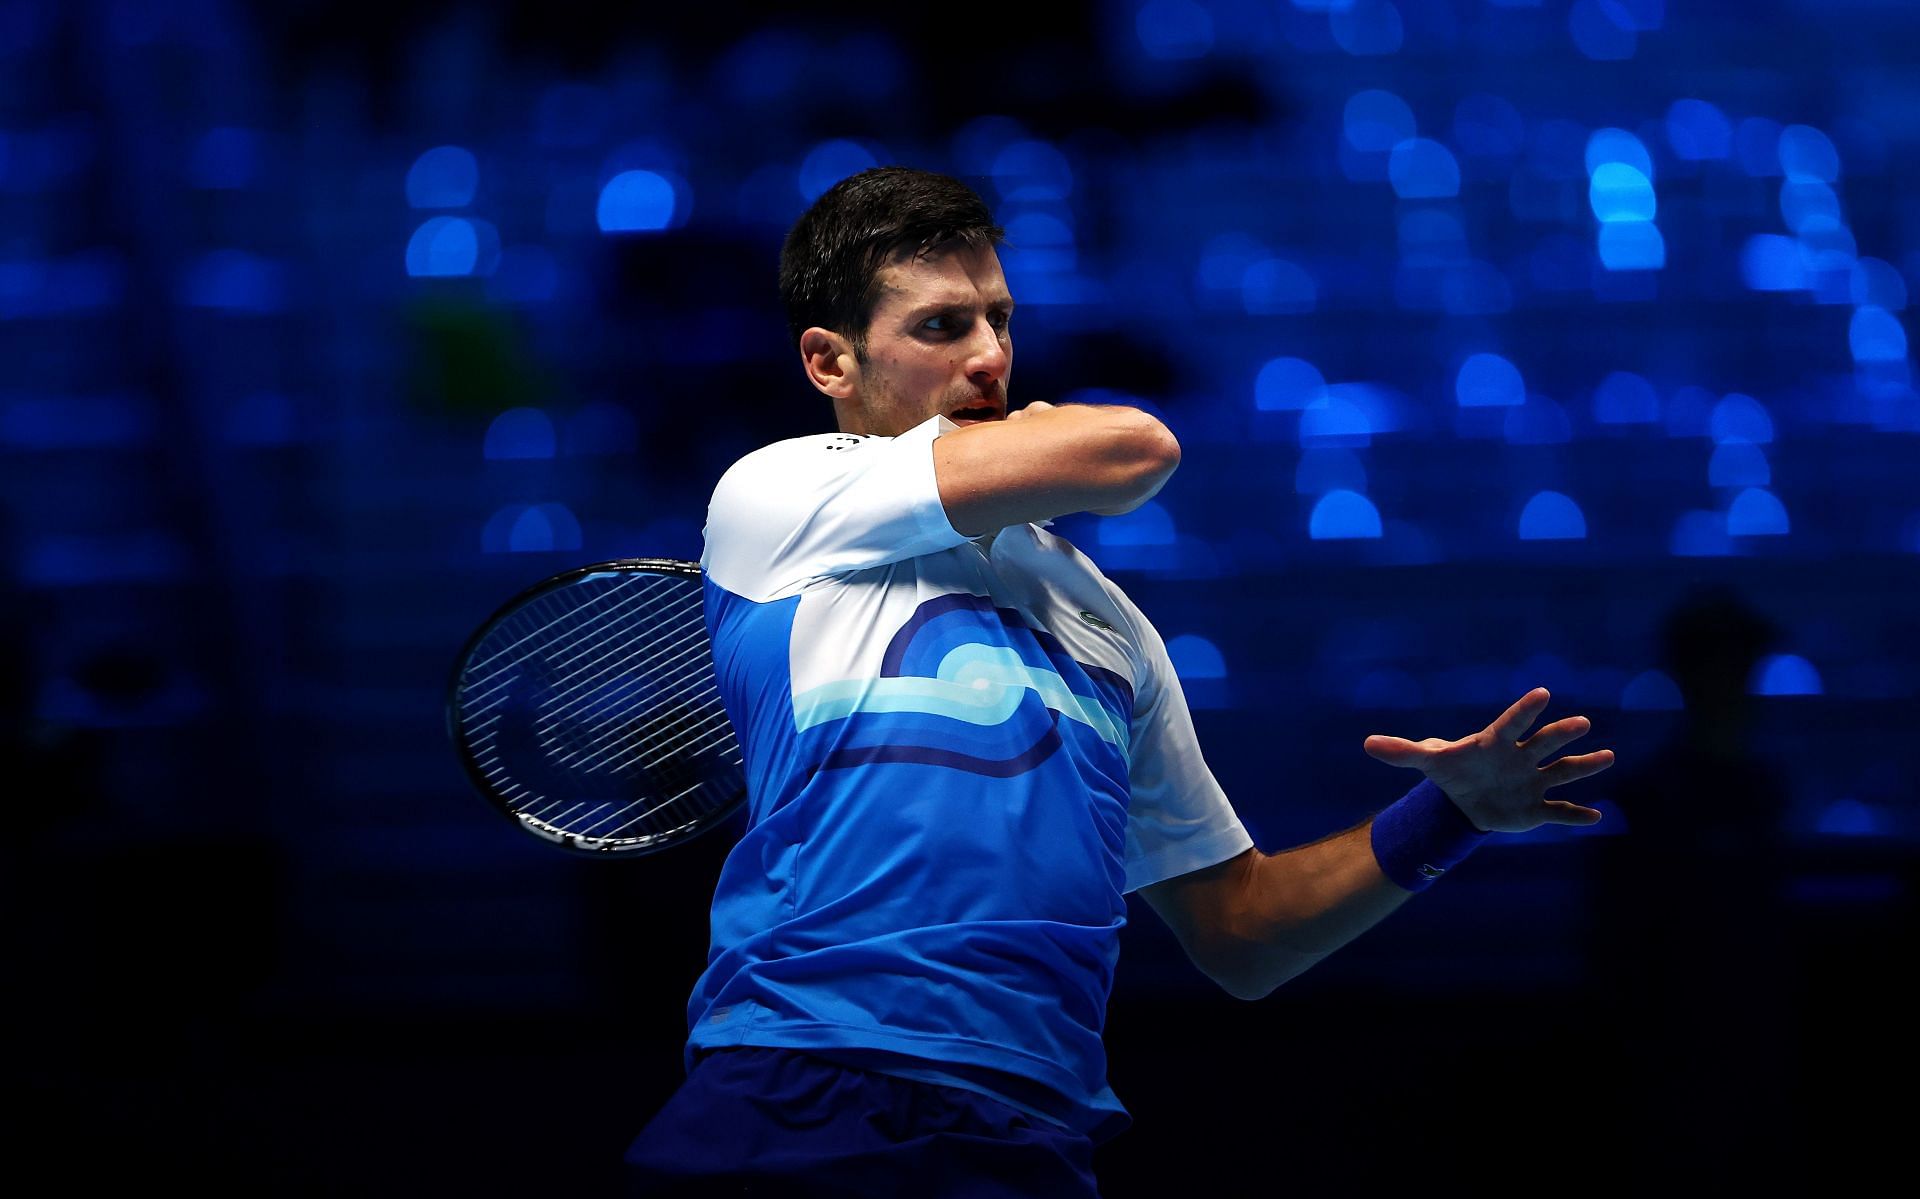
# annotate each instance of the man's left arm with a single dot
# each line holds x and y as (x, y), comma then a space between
(1256, 920)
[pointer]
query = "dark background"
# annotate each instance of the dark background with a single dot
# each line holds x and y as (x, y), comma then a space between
(1509, 344)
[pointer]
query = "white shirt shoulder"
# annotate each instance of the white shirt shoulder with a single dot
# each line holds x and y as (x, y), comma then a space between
(813, 507)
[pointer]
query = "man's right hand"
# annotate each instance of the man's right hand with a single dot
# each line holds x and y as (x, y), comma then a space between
(1036, 406)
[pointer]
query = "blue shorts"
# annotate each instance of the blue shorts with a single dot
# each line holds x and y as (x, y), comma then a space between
(775, 1122)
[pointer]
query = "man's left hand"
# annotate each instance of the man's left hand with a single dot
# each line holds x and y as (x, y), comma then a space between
(1496, 778)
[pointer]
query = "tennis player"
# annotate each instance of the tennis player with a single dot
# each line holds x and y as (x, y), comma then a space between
(964, 746)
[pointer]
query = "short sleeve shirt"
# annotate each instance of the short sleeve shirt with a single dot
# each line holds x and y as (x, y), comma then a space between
(960, 753)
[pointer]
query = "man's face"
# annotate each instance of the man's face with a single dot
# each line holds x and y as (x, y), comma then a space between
(938, 344)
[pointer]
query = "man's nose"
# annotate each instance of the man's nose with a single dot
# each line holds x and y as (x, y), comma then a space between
(987, 352)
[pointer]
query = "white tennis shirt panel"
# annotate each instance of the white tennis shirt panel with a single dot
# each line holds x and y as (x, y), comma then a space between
(805, 516)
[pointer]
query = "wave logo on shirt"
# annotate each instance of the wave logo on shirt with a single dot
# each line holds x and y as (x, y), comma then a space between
(970, 686)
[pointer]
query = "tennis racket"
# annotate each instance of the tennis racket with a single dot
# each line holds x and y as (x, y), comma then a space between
(586, 709)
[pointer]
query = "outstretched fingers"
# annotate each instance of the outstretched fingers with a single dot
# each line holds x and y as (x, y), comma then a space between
(1559, 811)
(1577, 766)
(1548, 741)
(1394, 751)
(1517, 719)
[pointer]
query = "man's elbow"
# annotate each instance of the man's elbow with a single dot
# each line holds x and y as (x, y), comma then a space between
(1255, 976)
(1157, 451)
(1149, 455)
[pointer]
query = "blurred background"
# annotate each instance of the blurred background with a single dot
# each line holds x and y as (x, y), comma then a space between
(1511, 343)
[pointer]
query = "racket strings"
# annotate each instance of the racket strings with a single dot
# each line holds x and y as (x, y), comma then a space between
(544, 615)
(611, 676)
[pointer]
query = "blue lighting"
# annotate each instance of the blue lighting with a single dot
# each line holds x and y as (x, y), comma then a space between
(1324, 469)
(526, 275)
(1689, 412)
(1332, 420)
(1875, 335)
(1697, 130)
(1376, 121)
(1619, 192)
(1561, 262)
(1489, 381)
(1828, 252)
(1386, 687)
(1551, 516)
(1804, 201)
(1557, 150)
(1431, 237)
(1487, 126)
(1624, 398)
(1756, 142)
(1343, 516)
(1366, 27)
(443, 177)
(235, 281)
(65, 560)
(1894, 407)
(572, 116)
(1174, 29)
(1784, 674)
(601, 429)
(1847, 818)
(520, 433)
(96, 279)
(1617, 145)
(1475, 288)
(1740, 417)
(830, 162)
(1770, 262)
(1756, 512)
(226, 158)
(66, 422)
(1194, 657)
(1288, 385)
(1275, 286)
(1877, 284)
(443, 246)
(766, 65)
(1807, 154)
(1700, 534)
(265, 418)
(1597, 34)
(1149, 524)
(1537, 421)
(1032, 170)
(637, 202)
(1738, 463)
(1039, 230)
(1423, 169)
(531, 529)
(1225, 258)
(1632, 246)
(1384, 409)
(978, 143)
(1651, 691)
(1038, 243)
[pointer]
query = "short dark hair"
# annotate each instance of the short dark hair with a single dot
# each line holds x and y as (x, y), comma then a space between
(831, 261)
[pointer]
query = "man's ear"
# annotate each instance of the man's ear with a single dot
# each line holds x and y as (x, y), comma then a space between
(829, 362)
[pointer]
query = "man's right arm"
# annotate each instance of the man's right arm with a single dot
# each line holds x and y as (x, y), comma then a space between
(1046, 461)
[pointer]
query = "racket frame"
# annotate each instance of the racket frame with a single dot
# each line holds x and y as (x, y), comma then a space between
(588, 846)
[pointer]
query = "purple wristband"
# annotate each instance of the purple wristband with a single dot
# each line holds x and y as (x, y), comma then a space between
(1422, 836)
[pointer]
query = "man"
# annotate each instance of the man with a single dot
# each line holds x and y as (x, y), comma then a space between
(964, 744)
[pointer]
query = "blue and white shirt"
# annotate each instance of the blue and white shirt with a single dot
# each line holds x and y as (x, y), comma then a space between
(960, 754)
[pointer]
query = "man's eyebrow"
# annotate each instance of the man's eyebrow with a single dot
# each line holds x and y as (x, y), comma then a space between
(935, 307)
